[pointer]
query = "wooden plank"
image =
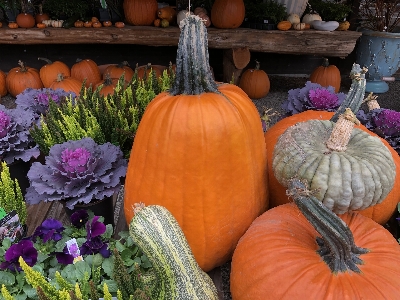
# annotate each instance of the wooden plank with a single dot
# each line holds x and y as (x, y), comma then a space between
(325, 43)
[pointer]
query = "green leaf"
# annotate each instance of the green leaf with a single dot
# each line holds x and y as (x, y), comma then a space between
(7, 278)
(120, 247)
(82, 267)
(30, 291)
(145, 262)
(69, 272)
(124, 234)
(97, 260)
(109, 231)
(108, 266)
(6, 243)
(41, 257)
(112, 285)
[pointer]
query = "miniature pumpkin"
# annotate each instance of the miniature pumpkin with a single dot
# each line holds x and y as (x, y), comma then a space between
(164, 23)
(3, 87)
(48, 73)
(140, 12)
(168, 13)
(284, 25)
(96, 24)
(119, 24)
(116, 71)
(25, 20)
(94, 19)
(157, 22)
(255, 82)
(107, 23)
(20, 78)
(12, 25)
(57, 23)
(327, 75)
(345, 25)
(41, 25)
(309, 18)
(86, 70)
(78, 24)
(68, 84)
(227, 13)
(304, 251)
(47, 22)
(299, 26)
(199, 151)
(87, 24)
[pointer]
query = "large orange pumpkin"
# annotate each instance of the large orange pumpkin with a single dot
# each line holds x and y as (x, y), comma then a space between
(49, 72)
(140, 12)
(380, 213)
(25, 20)
(20, 78)
(255, 82)
(107, 86)
(227, 13)
(68, 84)
(3, 87)
(86, 70)
(326, 75)
(282, 256)
(116, 71)
(200, 152)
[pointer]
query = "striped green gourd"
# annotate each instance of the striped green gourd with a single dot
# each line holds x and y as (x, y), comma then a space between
(157, 233)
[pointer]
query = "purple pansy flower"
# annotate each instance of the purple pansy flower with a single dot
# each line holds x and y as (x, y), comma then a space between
(79, 218)
(94, 244)
(50, 229)
(64, 257)
(23, 248)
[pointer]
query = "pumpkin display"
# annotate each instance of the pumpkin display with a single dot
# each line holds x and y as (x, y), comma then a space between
(78, 24)
(301, 250)
(140, 12)
(25, 20)
(142, 70)
(97, 24)
(107, 23)
(227, 13)
(116, 71)
(49, 72)
(107, 86)
(199, 151)
(255, 82)
(326, 75)
(20, 78)
(88, 24)
(168, 13)
(68, 84)
(86, 70)
(3, 87)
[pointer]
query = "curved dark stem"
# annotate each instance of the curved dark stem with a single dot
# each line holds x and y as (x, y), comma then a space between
(337, 246)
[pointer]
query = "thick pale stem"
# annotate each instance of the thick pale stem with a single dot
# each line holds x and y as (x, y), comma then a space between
(341, 132)
(337, 246)
(372, 102)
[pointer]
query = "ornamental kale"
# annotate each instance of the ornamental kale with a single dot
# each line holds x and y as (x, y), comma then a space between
(77, 172)
(15, 139)
(385, 123)
(312, 96)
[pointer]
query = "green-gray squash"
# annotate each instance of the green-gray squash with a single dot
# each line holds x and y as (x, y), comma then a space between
(157, 233)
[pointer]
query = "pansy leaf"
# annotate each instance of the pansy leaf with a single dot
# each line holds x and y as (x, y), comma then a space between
(7, 278)
(145, 262)
(30, 291)
(82, 267)
(69, 272)
(108, 266)
(120, 247)
(109, 231)
(111, 284)
(123, 234)
(97, 260)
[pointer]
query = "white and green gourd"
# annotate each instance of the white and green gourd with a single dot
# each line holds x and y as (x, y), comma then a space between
(349, 168)
(157, 233)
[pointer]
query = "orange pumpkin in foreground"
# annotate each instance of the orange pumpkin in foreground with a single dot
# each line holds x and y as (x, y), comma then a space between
(199, 151)
(20, 78)
(49, 72)
(327, 75)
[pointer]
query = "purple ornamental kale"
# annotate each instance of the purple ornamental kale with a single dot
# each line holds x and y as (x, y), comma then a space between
(24, 248)
(50, 229)
(312, 96)
(15, 139)
(385, 123)
(78, 172)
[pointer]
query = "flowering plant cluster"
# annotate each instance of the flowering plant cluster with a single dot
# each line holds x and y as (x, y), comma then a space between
(312, 96)
(15, 139)
(46, 252)
(385, 123)
(77, 172)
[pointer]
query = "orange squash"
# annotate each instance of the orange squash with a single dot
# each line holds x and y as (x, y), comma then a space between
(227, 13)
(25, 20)
(3, 87)
(49, 72)
(116, 71)
(255, 82)
(20, 78)
(87, 70)
(327, 75)
(140, 12)
(199, 151)
(107, 86)
(68, 84)
(168, 13)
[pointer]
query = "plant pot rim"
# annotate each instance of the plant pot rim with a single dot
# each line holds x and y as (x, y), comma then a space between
(382, 34)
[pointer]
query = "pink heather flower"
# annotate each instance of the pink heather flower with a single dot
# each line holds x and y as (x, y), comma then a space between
(322, 98)
(75, 161)
(4, 123)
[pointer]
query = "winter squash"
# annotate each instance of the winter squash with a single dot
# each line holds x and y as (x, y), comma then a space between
(49, 72)
(284, 25)
(25, 20)
(87, 70)
(168, 13)
(78, 24)
(300, 26)
(255, 82)
(107, 23)
(326, 75)
(41, 25)
(20, 78)
(293, 18)
(119, 24)
(12, 25)
(88, 24)
(116, 71)
(157, 22)
(227, 13)
(3, 87)
(152, 229)
(206, 19)
(57, 23)
(97, 24)
(140, 12)
(310, 17)
(303, 251)
(68, 84)
(107, 86)
(199, 151)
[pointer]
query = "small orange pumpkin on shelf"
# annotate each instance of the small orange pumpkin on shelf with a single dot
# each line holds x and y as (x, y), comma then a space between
(116, 71)
(168, 13)
(22, 77)
(97, 24)
(41, 25)
(119, 24)
(326, 75)
(107, 86)
(157, 22)
(107, 23)
(255, 82)
(78, 24)
(88, 24)
(12, 25)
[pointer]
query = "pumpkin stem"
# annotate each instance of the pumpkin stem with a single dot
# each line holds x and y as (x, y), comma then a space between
(48, 61)
(193, 74)
(123, 64)
(60, 77)
(356, 93)
(325, 62)
(341, 132)
(138, 207)
(336, 244)
(372, 102)
(257, 65)
(22, 65)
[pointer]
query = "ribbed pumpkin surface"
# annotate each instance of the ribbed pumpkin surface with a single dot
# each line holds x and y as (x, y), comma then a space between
(203, 158)
(49, 72)
(327, 75)
(68, 84)
(255, 83)
(20, 78)
(227, 13)
(277, 259)
(3, 88)
(380, 213)
(88, 70)
(140, 12)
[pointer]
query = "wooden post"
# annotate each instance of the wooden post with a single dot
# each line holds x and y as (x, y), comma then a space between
(234, 61)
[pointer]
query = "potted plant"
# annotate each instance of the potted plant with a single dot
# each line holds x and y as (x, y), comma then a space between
(11, 9)
(81, 174)
(263, 14)
(64, 9)
(377, 47)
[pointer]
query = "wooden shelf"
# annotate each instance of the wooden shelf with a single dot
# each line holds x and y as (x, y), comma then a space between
(324, 43)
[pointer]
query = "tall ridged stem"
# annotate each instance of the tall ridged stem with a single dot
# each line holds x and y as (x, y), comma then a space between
(372, 102)
(193, 74)
(336, 244)
(355, 96)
